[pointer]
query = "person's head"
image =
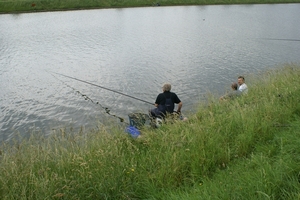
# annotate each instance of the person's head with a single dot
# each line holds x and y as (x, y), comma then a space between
(241, 80)
(234, 86)
(166, 87)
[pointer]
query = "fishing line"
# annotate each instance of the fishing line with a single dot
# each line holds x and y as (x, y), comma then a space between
(103, 88)
(107, 110)
(291, 40)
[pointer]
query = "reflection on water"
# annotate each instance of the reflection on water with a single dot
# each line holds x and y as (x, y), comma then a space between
(133, 51)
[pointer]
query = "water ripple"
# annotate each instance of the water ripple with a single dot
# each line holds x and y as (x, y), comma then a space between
(133, 51)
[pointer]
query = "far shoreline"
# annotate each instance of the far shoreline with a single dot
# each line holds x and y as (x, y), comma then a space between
(20, 7)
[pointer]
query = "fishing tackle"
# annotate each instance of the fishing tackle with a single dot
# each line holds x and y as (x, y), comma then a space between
(283, 39)
(103, 88)
(107, 111)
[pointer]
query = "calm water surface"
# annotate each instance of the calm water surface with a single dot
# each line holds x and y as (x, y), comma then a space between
(134, 51)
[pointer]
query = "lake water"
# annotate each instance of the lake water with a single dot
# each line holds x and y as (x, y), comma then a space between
(133, 51)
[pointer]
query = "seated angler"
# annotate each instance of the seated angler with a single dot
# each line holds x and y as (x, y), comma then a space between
(234, 92)
(242, 85)
(164, 102)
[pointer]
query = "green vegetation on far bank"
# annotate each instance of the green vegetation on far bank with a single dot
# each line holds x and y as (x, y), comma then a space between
(246, 148)
(18, 6)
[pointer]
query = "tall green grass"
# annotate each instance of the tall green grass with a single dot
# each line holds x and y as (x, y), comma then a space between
(246, 148)
(15, 6)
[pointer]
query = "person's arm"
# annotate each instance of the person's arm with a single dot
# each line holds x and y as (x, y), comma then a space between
(179, 107)
(155, 104)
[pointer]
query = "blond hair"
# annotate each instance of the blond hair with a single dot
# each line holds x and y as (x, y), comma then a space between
(166, 87)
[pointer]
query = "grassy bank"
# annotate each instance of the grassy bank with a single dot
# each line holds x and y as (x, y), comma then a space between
(17, 6)
(246, 148)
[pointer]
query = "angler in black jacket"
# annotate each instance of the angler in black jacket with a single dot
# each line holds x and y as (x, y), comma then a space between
(165, 101)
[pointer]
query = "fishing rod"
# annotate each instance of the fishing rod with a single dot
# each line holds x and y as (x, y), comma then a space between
(291, 40)
(107, 111)
(103, 87)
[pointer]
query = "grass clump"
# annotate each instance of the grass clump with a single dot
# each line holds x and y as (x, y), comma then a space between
(246, 148)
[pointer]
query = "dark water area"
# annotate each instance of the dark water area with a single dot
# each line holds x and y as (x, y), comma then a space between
(198, 49)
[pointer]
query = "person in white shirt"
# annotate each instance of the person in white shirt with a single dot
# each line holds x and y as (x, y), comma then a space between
(242, 85)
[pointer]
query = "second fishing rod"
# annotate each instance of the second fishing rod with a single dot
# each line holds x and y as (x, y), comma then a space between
(102, 87)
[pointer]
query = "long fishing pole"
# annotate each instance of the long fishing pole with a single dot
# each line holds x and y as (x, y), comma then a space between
(290, 40)
(107, 111)
(103, 88)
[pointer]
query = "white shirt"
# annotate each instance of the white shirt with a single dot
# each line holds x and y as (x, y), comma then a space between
(243, 88)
